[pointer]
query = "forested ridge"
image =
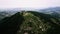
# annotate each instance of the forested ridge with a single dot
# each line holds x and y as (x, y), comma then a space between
(30, 22)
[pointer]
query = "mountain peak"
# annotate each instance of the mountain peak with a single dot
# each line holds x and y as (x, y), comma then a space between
(30, 22)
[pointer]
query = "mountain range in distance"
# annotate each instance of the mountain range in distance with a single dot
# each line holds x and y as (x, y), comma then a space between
(55, 11)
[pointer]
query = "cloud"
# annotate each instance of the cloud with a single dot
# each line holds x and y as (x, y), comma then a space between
(28, 3)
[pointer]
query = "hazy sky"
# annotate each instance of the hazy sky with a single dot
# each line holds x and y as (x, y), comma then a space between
(29, 3)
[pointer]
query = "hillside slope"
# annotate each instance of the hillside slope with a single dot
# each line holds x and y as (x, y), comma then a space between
(38, 23)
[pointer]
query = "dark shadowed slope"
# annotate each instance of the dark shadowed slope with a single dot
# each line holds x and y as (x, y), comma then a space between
(11, 24)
